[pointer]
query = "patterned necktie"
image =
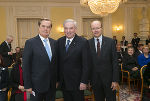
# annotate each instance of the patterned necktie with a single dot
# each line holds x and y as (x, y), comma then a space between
(47, 49)
(67, 45)
(98, 47)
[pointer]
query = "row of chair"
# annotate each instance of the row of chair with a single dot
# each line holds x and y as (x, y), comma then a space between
(129, 79)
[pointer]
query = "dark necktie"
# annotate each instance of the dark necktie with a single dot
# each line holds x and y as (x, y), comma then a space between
(98, 47)
(67, 45)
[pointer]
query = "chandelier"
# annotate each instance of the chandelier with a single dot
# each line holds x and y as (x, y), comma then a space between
(102, 7)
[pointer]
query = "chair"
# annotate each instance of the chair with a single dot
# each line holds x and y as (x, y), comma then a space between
(129, 79)
(117, 93)
(142, 80)
(9, 94)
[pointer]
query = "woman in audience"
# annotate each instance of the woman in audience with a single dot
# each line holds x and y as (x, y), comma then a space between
(144, 59)
(4, 76)
(130, 63)
(18, 91)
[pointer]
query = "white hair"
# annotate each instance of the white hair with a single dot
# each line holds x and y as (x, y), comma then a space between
(70, 20)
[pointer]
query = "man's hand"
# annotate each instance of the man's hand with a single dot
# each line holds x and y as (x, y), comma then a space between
(134, 69)
(29, 90)
(114, 85)
(82, 86)
(10, 53)
(21, 88)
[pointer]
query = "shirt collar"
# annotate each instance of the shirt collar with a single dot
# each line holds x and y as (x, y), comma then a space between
(100, 38)
(42, 38)
(69, 39)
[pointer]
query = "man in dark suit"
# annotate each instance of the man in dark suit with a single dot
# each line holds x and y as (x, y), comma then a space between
(39, 64)
(135, 41)
(73, 62)
(105, 71)
(5, 51)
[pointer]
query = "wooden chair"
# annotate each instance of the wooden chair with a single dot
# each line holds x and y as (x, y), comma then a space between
(117, 93)
(142, 80)
(129, 79)
(9, 94)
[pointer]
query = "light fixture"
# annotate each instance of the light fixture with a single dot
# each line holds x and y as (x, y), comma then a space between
(60, 29)
(102, 7)
(118, 28)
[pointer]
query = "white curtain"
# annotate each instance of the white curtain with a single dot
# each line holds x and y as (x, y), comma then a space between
(26, 28)
(87, 26)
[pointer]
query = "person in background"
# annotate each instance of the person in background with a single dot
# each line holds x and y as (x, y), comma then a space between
(40, 64)
(115, 39)
(105, 69)
(147, 40)
(17, 53)
(5, 51)
(130, 63)
(124, 43)
(135, 41)
(4, 79)
(144, 58)
(140, 50)
(16, 81)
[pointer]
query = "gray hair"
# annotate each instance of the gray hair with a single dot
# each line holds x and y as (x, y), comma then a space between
(70, 20)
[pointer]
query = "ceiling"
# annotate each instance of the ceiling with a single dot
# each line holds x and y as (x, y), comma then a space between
(59, 1)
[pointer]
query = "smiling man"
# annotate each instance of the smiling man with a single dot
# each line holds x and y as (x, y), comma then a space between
(39, 64)
(105, 71)
(73, 62)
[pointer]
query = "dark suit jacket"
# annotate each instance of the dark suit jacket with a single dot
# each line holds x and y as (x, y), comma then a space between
(4, 49)
(124, 43)
(73, 64)
(38, 72)
(106, 64)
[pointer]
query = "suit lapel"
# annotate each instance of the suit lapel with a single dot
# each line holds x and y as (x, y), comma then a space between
(92, 42)
(73, 43)
(103, 44)
(41, 46)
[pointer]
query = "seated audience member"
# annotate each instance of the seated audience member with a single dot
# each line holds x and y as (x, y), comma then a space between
(18, 52)
(144, 58)
(148, 40)
(128, 45)
(124, 43)
(130, 63)
(4, 76)
(146, 75)
(146, 78)
(119, 53)
(16, 81)
(140, 50)
(149, 47)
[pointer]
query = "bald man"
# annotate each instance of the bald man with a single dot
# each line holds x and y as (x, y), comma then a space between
(105, 73)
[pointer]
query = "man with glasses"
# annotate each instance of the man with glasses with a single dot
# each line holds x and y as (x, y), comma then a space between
(105, 72)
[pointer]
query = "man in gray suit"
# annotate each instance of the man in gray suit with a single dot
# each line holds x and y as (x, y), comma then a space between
(39, 64)
(105, 72)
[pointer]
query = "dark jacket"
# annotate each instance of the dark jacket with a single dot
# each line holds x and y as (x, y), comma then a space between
(73, 64)
(4, 75)
(4, 49)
